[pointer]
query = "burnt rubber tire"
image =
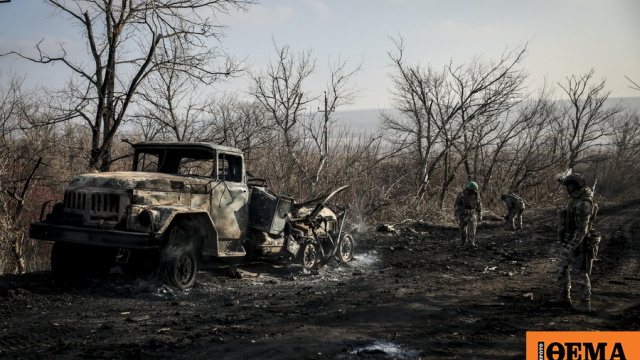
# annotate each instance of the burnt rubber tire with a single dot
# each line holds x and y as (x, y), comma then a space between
(346, 248)
(181, 269)
(179, 264)
(309, 256)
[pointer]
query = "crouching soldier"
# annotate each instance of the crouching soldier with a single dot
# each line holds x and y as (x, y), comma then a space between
(578, 242)
(515, 208)
(468, 211)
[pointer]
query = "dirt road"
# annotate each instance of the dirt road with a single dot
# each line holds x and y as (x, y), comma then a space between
(409, 294)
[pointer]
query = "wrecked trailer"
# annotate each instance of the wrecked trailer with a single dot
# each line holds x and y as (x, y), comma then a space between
(311, 233)
(181, 204)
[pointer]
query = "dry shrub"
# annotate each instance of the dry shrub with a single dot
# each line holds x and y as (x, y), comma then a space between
(18, 253)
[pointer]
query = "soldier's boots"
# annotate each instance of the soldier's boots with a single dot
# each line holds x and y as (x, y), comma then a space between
(564, 301)
(584, 306)
(469, 245)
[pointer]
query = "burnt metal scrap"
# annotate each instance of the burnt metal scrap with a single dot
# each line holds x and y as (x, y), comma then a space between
(182, 203)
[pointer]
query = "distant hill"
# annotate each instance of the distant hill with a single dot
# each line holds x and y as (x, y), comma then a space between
(368, 119)
(364, 120)
(628, 102)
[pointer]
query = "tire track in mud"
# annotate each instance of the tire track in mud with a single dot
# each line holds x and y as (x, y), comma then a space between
(620, 228)
(617, 272)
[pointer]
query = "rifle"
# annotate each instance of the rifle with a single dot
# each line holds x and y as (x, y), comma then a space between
(592, 239)
(591, 244)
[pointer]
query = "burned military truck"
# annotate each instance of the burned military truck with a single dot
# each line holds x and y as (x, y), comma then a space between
(181, 204)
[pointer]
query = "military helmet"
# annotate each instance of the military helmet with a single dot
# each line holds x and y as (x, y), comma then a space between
(576, 179)
(472, 186)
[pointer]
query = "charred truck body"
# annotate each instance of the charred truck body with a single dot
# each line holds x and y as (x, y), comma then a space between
(180, 204)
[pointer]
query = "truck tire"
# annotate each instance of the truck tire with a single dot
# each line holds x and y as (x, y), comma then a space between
(179, 264)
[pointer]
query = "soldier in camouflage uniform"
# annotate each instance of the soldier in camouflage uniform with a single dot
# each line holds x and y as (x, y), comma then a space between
(578, 242)
(515, 208)
(468, 211)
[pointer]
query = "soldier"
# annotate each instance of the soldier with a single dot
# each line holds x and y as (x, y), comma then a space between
(515, 208)
(578, 242)
(468, 211)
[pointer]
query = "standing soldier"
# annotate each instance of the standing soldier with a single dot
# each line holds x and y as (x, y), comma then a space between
(515, 208)
(468, 211)
(578, 242)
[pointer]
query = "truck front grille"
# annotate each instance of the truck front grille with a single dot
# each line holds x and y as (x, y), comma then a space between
(105, 206)
(75, 200)
(95, 207)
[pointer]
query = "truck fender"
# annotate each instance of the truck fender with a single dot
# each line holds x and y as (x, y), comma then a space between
(164, 217)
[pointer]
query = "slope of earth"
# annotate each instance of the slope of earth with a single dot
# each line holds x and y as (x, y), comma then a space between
(408, 294)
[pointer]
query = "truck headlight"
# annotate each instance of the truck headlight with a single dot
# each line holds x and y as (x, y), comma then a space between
(147, 217)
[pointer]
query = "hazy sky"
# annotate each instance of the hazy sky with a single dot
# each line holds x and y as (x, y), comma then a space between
(566, 37)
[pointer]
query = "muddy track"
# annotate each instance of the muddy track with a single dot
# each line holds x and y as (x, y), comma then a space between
(409, 294)
(620, 275)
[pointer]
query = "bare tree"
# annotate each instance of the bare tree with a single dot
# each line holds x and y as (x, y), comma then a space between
(533, 152)
(340, 91)
(619, 171)
(170, 100)
(585, 118)
(10, 96)
(440, 108)
(514, 140)
(128, 40)
(280, 90)
(241, 124)
(634, 85)
(22, 149)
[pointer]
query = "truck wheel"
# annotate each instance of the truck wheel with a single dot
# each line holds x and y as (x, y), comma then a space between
(179, 260)
(345, 250)
(181, 270)
(72, 263)
(309, 256)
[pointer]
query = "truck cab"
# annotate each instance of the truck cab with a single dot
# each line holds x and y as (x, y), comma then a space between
(176, 194)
